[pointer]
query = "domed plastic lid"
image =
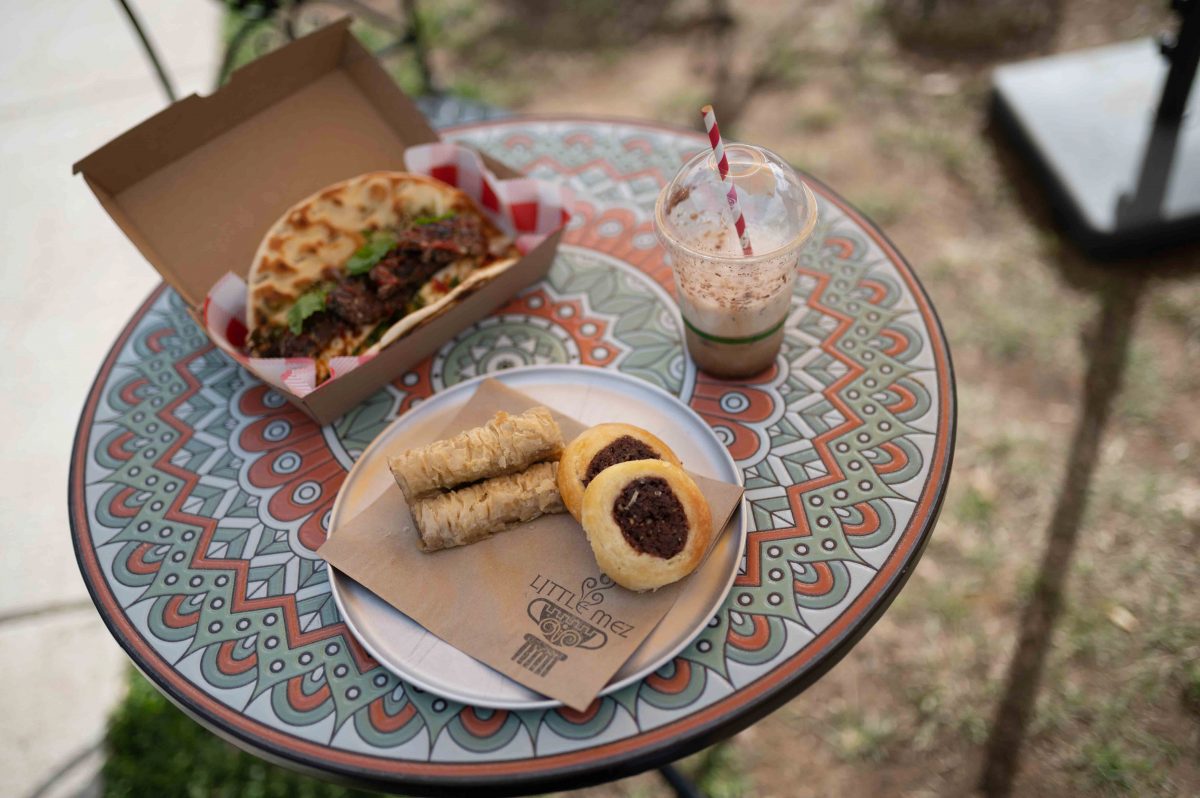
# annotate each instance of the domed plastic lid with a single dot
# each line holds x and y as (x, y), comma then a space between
(693, 213)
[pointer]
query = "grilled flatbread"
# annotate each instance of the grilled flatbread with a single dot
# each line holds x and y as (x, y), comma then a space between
(365, 261)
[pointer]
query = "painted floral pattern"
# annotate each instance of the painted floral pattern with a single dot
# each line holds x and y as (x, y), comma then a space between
(200, 496)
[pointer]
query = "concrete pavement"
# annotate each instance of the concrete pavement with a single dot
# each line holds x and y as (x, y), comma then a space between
(72, 75)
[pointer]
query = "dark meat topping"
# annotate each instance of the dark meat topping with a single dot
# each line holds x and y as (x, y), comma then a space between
(354, 300)
(398, 277)
(422, 252)
(319, 330)
(385, 293)
(651, 517)
(457, 236)
(622, 450)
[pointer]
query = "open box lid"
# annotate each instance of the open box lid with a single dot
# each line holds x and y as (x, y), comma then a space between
(196, 186)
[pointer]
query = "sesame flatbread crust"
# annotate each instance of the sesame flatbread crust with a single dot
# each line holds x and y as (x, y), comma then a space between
(312, 241)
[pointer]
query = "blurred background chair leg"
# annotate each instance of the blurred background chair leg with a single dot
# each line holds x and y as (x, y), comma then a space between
(283, 20)
(148, 46)
(680, 783)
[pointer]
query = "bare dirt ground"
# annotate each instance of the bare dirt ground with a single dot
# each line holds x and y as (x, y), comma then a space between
(904, 135)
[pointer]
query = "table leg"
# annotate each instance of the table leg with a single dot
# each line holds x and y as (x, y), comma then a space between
(680, 783)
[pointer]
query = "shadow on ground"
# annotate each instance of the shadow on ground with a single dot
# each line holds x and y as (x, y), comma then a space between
(1120, 287)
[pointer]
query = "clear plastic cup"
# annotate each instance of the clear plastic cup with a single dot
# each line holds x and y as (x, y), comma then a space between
(734, 305)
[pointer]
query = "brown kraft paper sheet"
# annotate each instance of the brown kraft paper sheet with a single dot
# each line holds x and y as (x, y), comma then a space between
(529, 602)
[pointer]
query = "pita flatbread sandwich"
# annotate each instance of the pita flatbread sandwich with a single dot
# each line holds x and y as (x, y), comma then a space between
(361, 263)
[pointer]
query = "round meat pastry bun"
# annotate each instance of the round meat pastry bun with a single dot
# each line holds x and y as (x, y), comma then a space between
(647, 522)
(599, 447)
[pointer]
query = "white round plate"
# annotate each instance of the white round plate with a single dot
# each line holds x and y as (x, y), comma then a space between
(592, 396)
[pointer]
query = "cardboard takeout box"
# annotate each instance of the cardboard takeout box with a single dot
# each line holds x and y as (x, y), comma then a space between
(196, 186)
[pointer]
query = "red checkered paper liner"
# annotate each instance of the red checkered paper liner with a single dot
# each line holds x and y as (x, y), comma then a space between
(526, 209)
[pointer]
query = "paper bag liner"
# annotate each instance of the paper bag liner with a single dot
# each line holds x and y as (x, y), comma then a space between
(529, 602)
(525, 209)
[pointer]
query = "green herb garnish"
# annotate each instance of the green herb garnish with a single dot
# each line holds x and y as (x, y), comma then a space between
(424, 220)
(455, 282)
(310, 302)
(379, 243)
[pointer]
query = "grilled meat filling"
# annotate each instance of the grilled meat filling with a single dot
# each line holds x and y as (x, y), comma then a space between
(385, 293)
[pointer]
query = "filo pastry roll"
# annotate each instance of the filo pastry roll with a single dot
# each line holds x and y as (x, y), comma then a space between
(478, 511)
(505, 445)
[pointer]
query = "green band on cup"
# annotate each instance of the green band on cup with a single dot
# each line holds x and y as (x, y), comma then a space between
(717, 339)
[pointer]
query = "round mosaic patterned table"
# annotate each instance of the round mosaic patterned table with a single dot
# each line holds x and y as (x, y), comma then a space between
(198, 497)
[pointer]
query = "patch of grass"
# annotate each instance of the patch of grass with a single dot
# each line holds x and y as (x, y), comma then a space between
(1004, 333)
(1065, 702)
(817, 119)
(985, 556)
(939, 711)
(1170, 632)
(948, 150)
(998, 447)
(941, 269)
(884, 209)
(950, 606)
(812, 160)
(683, 104)
(881, 77)
(974, 723)
(1088, 632)
(861, 736)
(1004, 309)
(975, 507)
(781, 63)
(1191, 687)
(1137, 496)
(1142, 388)
(1166, 751)
(926, 698)
(1176, 305)
(871, 16)
(1027, 582)
(718, 773)
(1110, 766)
(154, 749)
(468, 91)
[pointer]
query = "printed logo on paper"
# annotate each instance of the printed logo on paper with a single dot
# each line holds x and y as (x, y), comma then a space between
(567, 619)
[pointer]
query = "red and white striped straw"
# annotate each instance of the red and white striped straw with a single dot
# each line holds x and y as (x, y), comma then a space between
(714, 138)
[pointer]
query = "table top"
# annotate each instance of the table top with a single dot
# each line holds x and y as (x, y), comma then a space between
(198, 496)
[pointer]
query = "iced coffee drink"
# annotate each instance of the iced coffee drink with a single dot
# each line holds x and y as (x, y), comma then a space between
(734, 304)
